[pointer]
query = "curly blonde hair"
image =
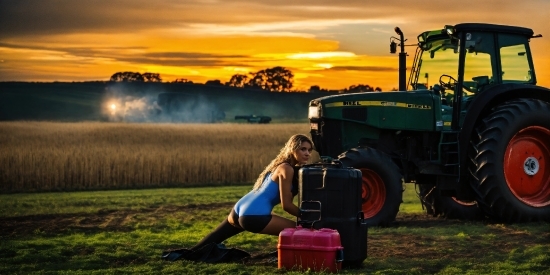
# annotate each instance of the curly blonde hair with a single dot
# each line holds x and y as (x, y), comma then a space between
(284, 156)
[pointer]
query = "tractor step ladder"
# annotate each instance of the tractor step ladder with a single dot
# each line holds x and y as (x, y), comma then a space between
(450, 152)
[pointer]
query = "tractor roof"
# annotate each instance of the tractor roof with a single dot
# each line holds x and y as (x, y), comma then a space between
(442, 33)
(493, 28)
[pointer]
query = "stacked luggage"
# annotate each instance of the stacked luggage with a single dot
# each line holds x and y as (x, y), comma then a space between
(336, 192)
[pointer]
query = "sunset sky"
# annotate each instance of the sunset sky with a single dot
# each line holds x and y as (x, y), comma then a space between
(333, 44)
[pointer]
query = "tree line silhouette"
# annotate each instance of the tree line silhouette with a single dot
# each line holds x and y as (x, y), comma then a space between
(135, 77)
(276, 79)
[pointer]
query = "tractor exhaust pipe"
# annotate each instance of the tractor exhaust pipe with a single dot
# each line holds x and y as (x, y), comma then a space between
(402, 58)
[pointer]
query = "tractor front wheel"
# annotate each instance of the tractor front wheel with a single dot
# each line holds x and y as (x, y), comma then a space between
(382, 189)
(511, 167)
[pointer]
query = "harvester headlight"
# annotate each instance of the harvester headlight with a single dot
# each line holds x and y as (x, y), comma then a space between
(313, 112)
(450, 29)
(111, 108)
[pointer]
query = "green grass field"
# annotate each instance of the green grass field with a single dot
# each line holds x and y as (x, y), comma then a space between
(125, 232)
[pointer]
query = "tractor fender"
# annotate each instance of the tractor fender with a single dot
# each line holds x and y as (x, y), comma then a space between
(483, 102)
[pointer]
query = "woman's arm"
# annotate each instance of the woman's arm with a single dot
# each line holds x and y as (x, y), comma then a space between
(283, 175)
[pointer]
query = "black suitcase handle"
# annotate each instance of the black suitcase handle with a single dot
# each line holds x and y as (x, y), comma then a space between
(309, 223)
(332, 163)
(361, 218)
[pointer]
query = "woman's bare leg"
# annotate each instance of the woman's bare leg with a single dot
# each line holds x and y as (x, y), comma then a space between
(224, 231)
(277, 224)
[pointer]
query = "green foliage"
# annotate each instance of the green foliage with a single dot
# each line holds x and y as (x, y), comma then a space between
(238, 81)
(276, 79)
(135, 77)
(410, 201)
(361, 88)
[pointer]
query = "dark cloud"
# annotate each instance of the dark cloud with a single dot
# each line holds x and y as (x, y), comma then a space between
(155, 58)
(182, 62)
(48, 17)
(69, 49)
(187, 59)
(27, 18)
(363, 68)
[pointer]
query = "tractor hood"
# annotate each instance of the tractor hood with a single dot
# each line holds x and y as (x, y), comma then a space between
(418, 110)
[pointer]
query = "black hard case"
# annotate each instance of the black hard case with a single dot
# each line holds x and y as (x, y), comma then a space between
(336, 190)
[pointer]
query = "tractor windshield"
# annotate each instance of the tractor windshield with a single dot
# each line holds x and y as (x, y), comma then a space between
(439, 58)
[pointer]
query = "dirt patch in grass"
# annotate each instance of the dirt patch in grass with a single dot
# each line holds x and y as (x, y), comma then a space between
(105, 219)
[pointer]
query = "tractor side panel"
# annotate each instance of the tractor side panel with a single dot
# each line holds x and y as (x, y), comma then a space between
(349, 120)
(415, 111)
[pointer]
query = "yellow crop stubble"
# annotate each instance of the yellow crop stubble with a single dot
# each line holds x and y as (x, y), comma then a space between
(92, 155)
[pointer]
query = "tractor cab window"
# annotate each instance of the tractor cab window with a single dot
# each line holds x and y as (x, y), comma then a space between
(480, 62)
(438, 62)
(514, 62)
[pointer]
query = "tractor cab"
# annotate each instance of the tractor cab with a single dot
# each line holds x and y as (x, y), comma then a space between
(462, 61)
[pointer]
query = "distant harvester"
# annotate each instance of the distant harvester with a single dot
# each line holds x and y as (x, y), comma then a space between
(255, 119)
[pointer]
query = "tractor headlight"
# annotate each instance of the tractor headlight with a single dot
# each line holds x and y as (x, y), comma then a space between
(313, 112)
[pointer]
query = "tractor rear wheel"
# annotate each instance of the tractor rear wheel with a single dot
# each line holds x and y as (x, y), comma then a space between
(382, 189)
(439, 205)
(511, 164)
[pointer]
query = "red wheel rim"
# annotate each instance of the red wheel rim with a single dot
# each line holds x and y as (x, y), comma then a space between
(373, 193)
(526, 166)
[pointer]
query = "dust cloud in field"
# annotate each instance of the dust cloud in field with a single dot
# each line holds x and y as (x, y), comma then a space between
(121, 104)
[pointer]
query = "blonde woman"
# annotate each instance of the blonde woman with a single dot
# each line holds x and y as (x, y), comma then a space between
(276, 184)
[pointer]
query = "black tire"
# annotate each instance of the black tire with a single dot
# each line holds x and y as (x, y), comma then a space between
(447, 207)
(509, 144)
(382, 184)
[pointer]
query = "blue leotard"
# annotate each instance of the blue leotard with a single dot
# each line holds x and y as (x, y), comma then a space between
(261, 201)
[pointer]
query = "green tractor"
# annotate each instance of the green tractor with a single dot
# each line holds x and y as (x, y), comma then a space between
(470, 128)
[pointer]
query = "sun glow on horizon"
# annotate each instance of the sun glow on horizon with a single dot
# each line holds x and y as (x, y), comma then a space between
(320, 55)
(324, 65)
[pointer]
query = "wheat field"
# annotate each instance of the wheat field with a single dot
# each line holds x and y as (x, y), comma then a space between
(47, 156)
